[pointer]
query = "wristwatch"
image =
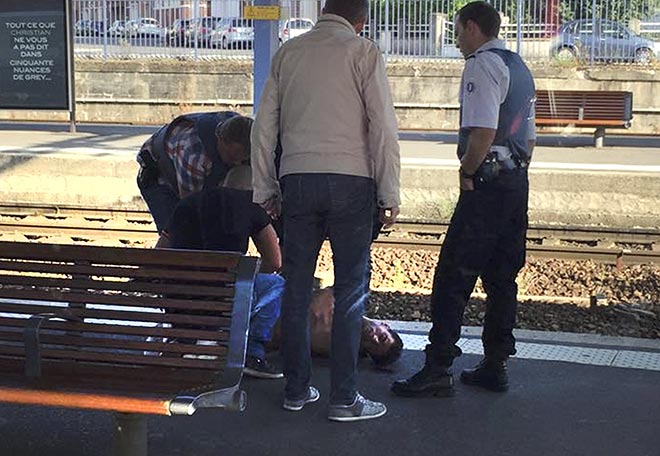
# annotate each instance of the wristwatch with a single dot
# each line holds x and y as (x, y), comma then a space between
(462, 172)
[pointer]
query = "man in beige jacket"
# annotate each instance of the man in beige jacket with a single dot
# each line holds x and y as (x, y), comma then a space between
(328, 100)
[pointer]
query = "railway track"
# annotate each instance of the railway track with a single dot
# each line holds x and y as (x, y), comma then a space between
(80, 224)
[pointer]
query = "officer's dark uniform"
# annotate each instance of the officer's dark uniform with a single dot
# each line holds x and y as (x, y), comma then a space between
(486, 237)
(157, 179)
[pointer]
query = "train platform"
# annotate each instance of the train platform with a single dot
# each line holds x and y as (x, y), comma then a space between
(571, 182)
(570, 395)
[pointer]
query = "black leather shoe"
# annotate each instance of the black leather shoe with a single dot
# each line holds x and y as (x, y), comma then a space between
(489, 373)
(437, 381)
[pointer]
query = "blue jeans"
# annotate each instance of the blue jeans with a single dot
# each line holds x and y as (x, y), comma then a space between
(266, 304)
(161, 201)
(340, 207)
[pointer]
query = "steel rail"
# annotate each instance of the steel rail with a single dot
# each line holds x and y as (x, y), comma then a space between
(594, 243)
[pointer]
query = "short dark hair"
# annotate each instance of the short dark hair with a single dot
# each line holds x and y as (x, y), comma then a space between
(392, 355)
(484, 15)
(353, 11)
(235, 130)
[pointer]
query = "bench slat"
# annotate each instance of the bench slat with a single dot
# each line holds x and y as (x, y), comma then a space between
(121, 272)
(121, 330)
(107, 285)
(116, 358)
(121, 315)
(124, 256)
(128, 300)
(123, 344)
(62, 375)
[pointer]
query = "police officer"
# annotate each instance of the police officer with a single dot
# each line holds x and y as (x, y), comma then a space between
(486, 237)
(191, 153)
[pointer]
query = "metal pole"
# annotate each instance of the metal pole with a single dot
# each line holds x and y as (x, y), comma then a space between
(387, 28)
(70, 64)
(518, 26)
(593, 31)
(104, 19)
(265, 45)
(195, 13)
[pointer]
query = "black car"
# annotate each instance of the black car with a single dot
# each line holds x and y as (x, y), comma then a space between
(602, 40)
(89, 28)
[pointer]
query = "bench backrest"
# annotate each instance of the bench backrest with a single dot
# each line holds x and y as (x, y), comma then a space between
(583, 107)
(158, 321)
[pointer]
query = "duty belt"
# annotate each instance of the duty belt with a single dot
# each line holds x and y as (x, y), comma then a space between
(505, 158)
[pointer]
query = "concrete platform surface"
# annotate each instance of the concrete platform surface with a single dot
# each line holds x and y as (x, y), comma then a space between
(552, 409)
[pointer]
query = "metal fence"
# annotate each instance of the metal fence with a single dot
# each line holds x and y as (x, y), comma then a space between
(568, 30)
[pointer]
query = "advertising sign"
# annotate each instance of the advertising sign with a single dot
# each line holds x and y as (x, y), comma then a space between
(34, 55)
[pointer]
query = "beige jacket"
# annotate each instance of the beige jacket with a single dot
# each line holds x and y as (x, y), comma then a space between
(328, 97)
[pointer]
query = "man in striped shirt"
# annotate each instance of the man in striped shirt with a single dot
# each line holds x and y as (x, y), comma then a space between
(191, 153)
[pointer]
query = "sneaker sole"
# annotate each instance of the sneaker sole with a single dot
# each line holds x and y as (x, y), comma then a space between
(296, 408)
(259, 374)
(343, 419)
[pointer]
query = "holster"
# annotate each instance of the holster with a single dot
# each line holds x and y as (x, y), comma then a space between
(489, 170)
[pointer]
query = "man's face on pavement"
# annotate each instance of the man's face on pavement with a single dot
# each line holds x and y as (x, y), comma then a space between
(377, 338)
(232, 153)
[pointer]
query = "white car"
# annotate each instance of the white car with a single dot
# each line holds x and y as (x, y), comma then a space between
(232, 33)
(144, 26)
(294, 27)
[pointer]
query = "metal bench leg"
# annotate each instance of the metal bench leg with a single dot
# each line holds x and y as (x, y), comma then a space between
(599, 137)
(130, 437)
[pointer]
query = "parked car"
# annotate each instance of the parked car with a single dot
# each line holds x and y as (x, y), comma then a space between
(610, 41)
(233, 32)
(294, 27)
(202, 28)
(179, 32)
(144, 26)
(118, 28)
(86, 27)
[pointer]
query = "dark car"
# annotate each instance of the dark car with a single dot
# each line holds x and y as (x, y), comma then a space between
(609, 41)
(89, 28)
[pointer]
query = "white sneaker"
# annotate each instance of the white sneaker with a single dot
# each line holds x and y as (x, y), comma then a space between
(360, 409)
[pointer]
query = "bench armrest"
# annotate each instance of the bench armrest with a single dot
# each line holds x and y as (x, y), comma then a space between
(229, 396)
(32, 344)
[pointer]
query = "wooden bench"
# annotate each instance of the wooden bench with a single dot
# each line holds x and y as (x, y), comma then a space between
(129, 330)
(582, 108)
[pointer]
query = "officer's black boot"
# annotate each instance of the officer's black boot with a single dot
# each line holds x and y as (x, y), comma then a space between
(435, 379)
(490, 373)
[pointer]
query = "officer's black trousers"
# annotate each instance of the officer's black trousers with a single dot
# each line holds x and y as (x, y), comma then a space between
(486, 238)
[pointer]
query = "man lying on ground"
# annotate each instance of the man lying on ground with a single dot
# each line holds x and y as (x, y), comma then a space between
(225, 218)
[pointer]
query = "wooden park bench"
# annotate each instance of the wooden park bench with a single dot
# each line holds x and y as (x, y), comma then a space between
(128, 330)
(583, 108)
